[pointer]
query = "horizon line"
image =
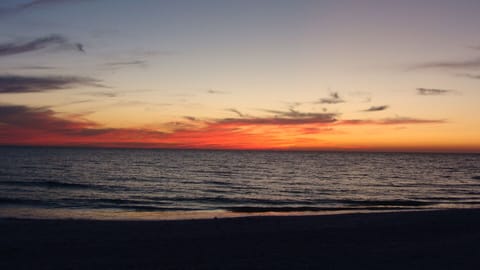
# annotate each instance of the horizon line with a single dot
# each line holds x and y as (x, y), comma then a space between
(331, 150)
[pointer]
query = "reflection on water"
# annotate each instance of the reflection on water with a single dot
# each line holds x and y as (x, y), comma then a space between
(116, 183)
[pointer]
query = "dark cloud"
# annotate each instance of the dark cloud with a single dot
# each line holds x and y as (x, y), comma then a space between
(475, 47)
(31, 84)
(211, 91)
(471, 76)
(236, 112)
(153, 53)
(465, 64)
(391, 121)
(103, 94)
(291, 117)
(376, 108)
(36, 3)
(334, 98)
(292, 113)
(294, 117)
(79, 47)
(127, 63)
(43, 119)
(37, 67)
(326, 118)
(190, 118)
(433, 91)
(32, 4)
(19, 47)
(24, 124)
(409, 120)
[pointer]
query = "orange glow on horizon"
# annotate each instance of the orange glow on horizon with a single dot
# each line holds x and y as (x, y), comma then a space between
(234, 136)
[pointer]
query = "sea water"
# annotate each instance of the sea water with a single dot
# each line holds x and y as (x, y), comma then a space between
(49, 182)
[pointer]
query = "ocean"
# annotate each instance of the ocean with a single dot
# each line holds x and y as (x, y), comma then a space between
(51, 182)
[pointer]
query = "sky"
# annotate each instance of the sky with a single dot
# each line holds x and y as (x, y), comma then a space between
(287, 75)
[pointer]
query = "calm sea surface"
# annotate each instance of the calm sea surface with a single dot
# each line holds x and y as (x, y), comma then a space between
(121, 183)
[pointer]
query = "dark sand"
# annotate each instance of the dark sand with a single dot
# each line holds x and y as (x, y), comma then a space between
(409, 240)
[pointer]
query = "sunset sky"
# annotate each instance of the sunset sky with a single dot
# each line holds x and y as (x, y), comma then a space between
(301, 75)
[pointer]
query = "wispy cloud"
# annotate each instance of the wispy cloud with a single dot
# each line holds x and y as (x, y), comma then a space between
(292, 113)
(237, 112)
(392, 121)
(290, 117)
(285, 129)
(376, 108)
(313, 119)
(293, 117)
(127, 63)
(30, 84)
(433, 91)
(36, 67)
(462, 64)
(475, 47)
(43, 119)
(43, 126)
(190, 118)
(215, 92)
(102, 94)
(36, 3)
(409, 120)
(334, 98)
(471, 76)
(22, 124)
(73, 103)
(32, 4)
(55, 40)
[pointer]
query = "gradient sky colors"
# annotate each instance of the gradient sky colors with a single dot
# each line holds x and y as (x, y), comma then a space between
(326, 75)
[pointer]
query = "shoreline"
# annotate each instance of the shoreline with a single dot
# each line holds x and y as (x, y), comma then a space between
(29, 213)
(439, 239)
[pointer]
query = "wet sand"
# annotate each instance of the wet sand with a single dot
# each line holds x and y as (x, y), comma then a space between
(448, 239)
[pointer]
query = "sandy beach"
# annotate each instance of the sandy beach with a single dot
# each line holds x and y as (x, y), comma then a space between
(447, 239)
